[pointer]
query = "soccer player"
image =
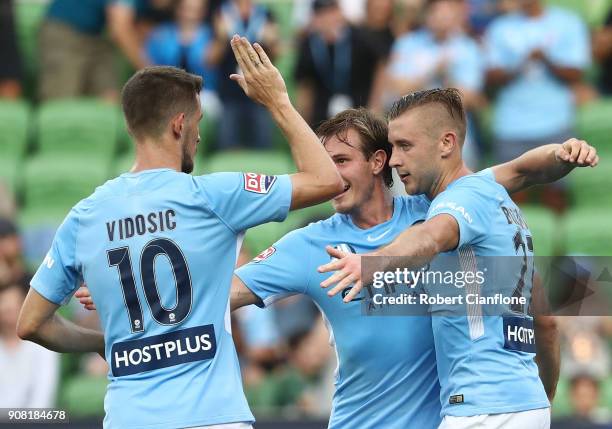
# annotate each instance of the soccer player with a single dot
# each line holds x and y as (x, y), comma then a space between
(485, 381)
(385, 380)
(157, 248)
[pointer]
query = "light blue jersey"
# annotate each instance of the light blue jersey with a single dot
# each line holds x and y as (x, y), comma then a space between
(483, 365)
(535, 104)
(157, 250)
(417, 54)
(386, 376)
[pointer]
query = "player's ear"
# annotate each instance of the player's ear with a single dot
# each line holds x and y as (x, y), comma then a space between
(448, 144)
(177, 125)
(379, 160)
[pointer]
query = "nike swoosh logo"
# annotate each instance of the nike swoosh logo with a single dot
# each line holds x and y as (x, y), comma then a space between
(370, 238)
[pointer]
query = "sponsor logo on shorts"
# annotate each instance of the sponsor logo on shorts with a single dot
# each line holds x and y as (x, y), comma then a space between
(258, 183)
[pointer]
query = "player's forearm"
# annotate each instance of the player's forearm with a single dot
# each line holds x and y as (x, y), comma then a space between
(411, 249)
(548, 355)
(318, 177)
(500, 77)
(61, 335)
(540, 166)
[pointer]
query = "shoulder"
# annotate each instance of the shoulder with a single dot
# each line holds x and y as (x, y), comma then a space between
(413, 205)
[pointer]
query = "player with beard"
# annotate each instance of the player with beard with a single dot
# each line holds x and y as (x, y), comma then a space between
(158, 247)
(488, 378)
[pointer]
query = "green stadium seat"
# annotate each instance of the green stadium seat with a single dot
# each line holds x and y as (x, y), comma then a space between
(594, 124)
(253, 161)
(561, 405)
(588, 232)
(78, 126)
(592, 11)
(83, 396)
(544, 227)
(590, 187)
(14, 117)
(263, 236)
(52, 184)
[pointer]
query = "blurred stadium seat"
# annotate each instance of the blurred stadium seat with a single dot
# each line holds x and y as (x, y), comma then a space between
(79, 126)
(590, 187)
(594, 124)
(544, 227)
(53, 183)
(14, 121)
(587, 231)
(253, 161)
(592, 11)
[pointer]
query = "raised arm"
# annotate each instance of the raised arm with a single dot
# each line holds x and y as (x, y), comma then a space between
(317, 179)
(545, 164)
(39, 323)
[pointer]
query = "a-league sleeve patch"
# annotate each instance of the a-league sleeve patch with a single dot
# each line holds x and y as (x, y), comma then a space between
(258, 183)
(265, 254)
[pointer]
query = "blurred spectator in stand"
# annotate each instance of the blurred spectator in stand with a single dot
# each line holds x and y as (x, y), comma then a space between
(585, 345)
(29, 372)
(191, 44)
(336, 65)
(481, 13)
(407, 15)
(585, 396)
(243, 123)
(355, 11)
(11, 73)
(439, 55)
(534, 57)
(12, 267)
(76, 59)
(602, 51)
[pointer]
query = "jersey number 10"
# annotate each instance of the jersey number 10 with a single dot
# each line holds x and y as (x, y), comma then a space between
(121, 259)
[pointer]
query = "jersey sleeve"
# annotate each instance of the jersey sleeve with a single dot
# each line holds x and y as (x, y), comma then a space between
(468, 204)
(573, 48)
(244, 200)
(281, 270)
(59, 274)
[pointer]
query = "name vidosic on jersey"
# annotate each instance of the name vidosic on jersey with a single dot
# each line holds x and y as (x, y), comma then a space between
(129, 227)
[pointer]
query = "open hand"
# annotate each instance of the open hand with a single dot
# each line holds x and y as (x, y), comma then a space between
(261, 81)
(347, 269)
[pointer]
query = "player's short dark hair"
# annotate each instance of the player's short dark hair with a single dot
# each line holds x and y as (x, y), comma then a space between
(154, 95)
(449, 98)
(372, 130)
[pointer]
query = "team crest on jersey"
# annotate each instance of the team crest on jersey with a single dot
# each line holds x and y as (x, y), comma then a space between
(265, 254)
(258, 183)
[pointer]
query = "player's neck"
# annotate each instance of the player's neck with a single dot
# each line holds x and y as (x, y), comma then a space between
(153, 155)
(447, 177)
(378, 209)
